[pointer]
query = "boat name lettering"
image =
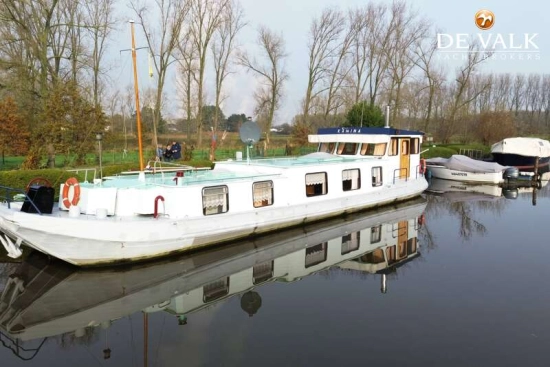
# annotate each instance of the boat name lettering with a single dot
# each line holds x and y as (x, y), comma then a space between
(459, 174)
(348, 130)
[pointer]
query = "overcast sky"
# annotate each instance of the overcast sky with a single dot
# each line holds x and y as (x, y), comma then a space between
(292, 18)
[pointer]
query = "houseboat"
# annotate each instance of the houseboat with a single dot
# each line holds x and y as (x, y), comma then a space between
(137, 217)
(47, 297)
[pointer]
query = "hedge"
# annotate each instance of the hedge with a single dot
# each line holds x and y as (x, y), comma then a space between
(19, 179)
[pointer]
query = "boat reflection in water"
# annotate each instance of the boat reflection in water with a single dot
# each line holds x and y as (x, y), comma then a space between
(46, 297)
(455, 191)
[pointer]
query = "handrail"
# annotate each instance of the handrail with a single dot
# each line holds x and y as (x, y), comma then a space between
(156, 166)
(77, 170)
(399, 170)
(8, 197)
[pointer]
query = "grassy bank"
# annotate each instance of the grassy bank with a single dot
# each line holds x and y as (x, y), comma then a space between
(447, 150)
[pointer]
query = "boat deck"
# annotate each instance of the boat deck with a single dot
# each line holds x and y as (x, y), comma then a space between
(226, 171)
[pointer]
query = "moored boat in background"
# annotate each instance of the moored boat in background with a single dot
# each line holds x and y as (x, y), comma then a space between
(523, 153)
(462, 168)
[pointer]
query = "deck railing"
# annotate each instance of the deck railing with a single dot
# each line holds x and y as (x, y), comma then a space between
(398, 171)
(9, 193)
(78, 170)
(472, 153)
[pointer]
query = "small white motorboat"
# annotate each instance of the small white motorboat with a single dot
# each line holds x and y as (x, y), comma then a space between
(465, 169)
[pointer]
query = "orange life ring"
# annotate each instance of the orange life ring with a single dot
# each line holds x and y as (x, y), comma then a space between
(422, 166)
(76, 192)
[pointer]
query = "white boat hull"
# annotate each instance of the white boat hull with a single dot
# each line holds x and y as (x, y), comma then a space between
(87, 240)
(450, 174)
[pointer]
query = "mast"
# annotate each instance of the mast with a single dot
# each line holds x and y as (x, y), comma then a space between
(136, 90)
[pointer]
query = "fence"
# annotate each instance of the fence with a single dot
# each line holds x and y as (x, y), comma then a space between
(472, 153)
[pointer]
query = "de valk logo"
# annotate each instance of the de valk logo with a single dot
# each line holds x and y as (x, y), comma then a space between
(485, 19)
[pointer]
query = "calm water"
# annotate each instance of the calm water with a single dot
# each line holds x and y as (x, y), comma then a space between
(466, 284)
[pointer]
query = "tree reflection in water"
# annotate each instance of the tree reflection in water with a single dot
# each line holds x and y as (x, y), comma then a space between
(461, 203)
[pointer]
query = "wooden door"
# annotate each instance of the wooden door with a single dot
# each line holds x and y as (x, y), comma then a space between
(402, 237)
(405, 155)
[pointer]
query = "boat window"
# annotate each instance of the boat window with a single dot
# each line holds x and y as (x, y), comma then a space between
(262, 272)
(391, 255)
(351, 179)
(405, 147)
(215, 200)
(376, 176)
(327, 147)
(348, 148)
(262, 193)
(411, 245)
(373, 149)
(350, 242)
(316, 184)
(376, 234)
(316, 254)
(375, 257)
(402, 249)
(215, 290)
(415, 146)
(394, 146)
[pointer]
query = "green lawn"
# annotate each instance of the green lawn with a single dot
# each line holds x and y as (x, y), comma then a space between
(447, 150)
(118, 156)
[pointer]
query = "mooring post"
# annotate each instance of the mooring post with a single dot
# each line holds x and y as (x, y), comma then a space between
(536, 172)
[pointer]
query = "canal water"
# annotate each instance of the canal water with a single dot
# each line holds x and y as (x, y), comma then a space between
(459, 277)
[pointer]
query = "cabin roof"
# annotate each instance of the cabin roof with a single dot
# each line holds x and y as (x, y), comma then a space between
(366, 131)
(311, 159)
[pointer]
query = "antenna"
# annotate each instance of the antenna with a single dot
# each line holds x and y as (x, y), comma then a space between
(250, 135)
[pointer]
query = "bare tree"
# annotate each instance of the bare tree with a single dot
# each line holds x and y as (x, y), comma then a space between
(518, 94)
(73, 13)
(408, 30)
(162, 43)
(340, 67)
(379, 37)
(188, 70)
(424, 59)
(460, 97)
(205, 17)
(223, 46)
(533, 95)
(32, 26)
(99, 22)
(545, 86)
(324, 35)
(501, 91)
(272, 74)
